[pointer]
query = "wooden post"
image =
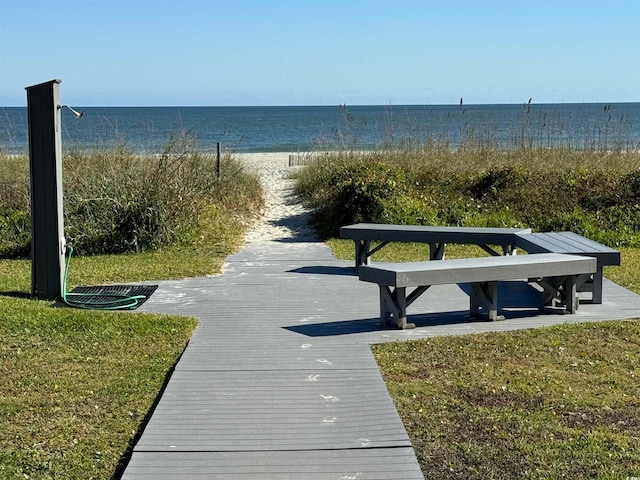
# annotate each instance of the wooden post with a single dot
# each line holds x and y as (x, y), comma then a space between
(218, 160)
(45, 162)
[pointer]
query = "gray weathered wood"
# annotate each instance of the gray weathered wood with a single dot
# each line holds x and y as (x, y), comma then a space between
(479, 269)
(357, 464)
(394, 279)
(436, 237)
(569, 243)
(573, 244)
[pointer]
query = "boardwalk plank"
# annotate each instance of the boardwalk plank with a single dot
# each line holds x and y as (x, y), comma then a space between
(386, 463)
(287, 409)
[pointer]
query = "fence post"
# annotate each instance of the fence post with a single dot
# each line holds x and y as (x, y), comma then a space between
(218, 160)
(45, 166)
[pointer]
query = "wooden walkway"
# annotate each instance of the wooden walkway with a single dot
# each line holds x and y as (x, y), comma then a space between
(278, 381)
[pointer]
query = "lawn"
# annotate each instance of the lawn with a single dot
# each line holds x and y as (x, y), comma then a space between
(559, 402)
(77, 385)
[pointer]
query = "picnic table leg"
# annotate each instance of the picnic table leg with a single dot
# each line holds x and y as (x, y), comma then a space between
(597, 286)
(570, 293)
(386, 306)
(560, 291)
(362, 252)
(551, 294)
(394, 302)
(401, 299)
(436, 251)
(484, 295)
(509, 250)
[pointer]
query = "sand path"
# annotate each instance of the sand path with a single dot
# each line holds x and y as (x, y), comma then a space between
(284, 217)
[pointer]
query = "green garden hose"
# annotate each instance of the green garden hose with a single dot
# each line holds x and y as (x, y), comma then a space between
(96, 301)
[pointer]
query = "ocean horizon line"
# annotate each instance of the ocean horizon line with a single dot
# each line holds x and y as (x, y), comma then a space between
(366, 105)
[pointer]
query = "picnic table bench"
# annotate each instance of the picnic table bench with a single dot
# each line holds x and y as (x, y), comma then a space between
(555, 273)
(573, 244)
(509, 239)
(437, 237)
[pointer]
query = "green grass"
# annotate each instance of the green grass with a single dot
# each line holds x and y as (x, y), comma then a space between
(558, 402)
(76, 385)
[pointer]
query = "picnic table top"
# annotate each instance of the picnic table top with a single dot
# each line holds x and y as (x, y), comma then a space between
(567, 242)
(427, 234)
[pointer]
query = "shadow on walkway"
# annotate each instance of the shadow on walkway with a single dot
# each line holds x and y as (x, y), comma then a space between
(327, 270)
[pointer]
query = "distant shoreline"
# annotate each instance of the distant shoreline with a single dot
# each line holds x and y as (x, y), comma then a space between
(301, 129)
(336, 105)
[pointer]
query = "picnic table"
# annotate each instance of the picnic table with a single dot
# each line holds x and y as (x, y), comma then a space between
(509, 240)
(436, 236)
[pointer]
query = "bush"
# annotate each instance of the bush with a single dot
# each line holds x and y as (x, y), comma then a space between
(592, 193)
(493, 184)
(117, 202)
(360, 191)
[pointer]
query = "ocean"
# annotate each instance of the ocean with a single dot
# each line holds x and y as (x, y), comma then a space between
(301, 129)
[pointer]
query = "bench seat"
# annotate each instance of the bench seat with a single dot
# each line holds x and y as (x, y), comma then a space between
(572, 244)
(555, 273)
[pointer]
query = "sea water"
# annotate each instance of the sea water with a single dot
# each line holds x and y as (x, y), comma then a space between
(297, 128)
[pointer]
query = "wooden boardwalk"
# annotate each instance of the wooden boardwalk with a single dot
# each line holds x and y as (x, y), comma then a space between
(278, 381)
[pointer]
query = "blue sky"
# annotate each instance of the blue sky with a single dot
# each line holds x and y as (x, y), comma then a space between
(321, 52)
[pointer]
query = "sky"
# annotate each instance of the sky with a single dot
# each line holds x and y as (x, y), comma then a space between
(321, 52)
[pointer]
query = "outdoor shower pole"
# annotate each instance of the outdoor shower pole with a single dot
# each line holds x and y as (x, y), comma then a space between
(45, 162)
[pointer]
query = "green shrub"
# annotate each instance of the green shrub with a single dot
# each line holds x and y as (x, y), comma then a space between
(596, 194)
(117, 202)
(360, 191)
(409, 209)
(630, 188)
(491, 185)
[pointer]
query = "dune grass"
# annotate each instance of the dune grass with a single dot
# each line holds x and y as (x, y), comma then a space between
(595, 194)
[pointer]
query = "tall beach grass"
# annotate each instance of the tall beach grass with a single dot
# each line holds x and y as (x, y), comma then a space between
(116, 201)
(593, 193)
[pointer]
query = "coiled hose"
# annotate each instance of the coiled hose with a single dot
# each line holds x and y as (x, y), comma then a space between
(96, 301)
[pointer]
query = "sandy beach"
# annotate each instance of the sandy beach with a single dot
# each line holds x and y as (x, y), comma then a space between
(284, 217)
